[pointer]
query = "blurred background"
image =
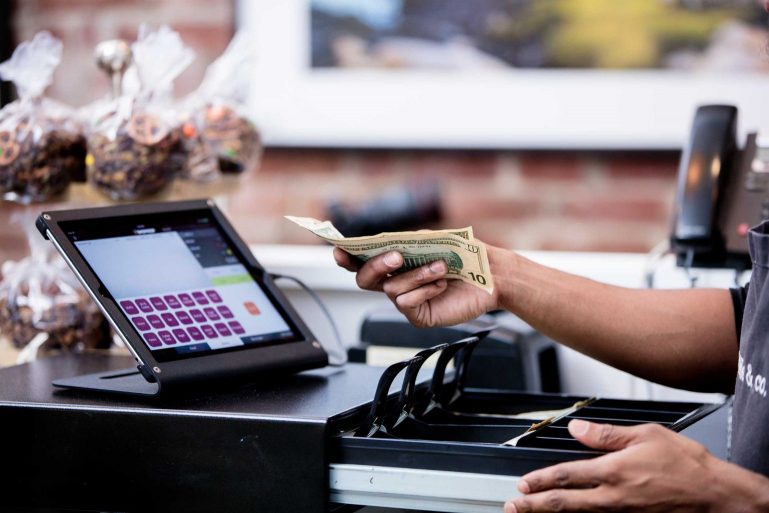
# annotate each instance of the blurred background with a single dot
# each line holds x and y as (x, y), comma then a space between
(598, 198)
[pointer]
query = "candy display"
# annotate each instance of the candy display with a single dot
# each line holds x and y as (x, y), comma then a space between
(218, 106)
(234, 139)
(35, 170)
(135, 161)
(39, 294)
(193, 156)
(128, 146)
(135, 145)
(71, 320)
(41, 147)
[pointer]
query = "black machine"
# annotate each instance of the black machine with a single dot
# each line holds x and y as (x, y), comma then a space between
(722, 192)
(514, 356)
(185, 294)
(476, 438)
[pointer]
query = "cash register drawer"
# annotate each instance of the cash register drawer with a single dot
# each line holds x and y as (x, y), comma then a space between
(458, 461)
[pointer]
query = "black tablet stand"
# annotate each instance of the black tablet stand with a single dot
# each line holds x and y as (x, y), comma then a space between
(154, 377)
(124, 381)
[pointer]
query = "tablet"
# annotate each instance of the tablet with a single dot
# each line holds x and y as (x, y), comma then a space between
(183, 291)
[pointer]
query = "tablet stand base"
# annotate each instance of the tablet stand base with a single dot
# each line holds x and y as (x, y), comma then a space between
(124, 381)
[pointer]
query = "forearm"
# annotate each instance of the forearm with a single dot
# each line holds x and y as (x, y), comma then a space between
(738, 489)
(682, 338)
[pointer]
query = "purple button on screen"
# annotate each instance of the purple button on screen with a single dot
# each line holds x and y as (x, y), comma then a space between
(155, 321)
(181, 335)
(144, 305)
(211, 313)
(222, 329)
(209, 331)
(166, 337)
(170, 319)
(129, 307)
(186, 300)
(236, 327)
(200, 298)
(172, 301)
(195, 333)
(183, 317)
(152, 340)
(197, 315)
(158, 303)
(214, 296)
(226, 312)
(140, 323)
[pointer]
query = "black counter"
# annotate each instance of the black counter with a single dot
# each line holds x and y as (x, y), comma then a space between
(261, 447)
(269, 446)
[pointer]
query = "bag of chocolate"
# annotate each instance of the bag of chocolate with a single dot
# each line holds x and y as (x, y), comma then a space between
(133, 137)
(42, 303)
(194, 158)
(41, 146)
(219, 108)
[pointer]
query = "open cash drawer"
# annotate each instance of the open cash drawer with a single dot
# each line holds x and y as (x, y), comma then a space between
(440, 446)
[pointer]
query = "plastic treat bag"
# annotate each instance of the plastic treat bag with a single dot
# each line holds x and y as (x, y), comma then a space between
(132, 139)
(194, 158)
(41, 147)
(219, 107)
(42, 305)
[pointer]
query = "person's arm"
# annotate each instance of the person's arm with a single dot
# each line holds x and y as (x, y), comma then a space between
(652, 469)
(681, 338)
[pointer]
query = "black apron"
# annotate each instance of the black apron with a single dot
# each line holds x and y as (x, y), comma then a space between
(749, 446)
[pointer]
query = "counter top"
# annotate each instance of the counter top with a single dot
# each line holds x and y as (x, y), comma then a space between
(261, 447)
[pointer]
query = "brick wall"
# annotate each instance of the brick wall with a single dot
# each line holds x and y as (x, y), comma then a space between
(525, 200)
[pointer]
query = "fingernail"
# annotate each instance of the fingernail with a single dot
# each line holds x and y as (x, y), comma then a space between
(392, 259)
(578, 427)
(437, 266)
(510, 507)
(523, 486)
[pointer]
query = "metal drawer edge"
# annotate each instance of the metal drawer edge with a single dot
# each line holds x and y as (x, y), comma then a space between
(420, 489)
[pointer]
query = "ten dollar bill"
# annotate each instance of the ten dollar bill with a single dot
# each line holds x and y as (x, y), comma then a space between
(466, 259)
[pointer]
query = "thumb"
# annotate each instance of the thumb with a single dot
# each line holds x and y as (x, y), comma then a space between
(606, 437)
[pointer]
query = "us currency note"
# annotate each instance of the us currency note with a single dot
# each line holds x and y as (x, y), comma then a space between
(466, 259)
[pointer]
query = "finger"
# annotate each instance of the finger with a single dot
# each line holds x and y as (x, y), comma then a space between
(576, 474)
(372, 273)
(593, 499)
(607, 437)
(413, 304)
(346, 260)
(406, 282)
(417, 297)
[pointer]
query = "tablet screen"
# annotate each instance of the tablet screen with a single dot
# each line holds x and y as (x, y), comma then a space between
(180, 283)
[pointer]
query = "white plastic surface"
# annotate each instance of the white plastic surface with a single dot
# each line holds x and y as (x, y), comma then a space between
(419, 489)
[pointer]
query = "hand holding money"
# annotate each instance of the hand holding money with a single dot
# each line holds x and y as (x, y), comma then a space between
(466, 259)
